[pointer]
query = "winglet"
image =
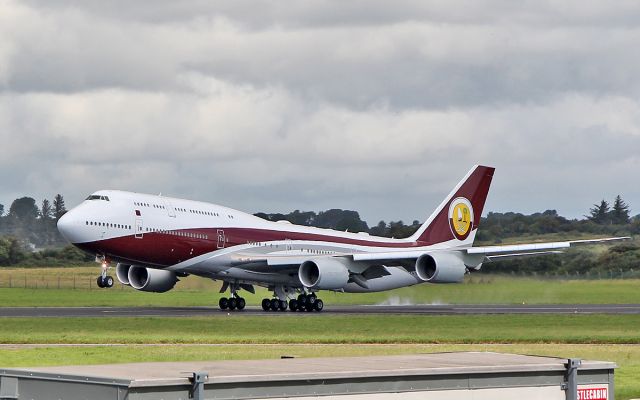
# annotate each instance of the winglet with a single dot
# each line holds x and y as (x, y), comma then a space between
(458, 216)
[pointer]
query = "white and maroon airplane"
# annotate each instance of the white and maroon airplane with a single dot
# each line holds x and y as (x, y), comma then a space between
(155, 240)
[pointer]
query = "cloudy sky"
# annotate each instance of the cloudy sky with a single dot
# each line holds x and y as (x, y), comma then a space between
(376, 106)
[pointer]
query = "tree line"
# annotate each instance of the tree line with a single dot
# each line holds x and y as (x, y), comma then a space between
(29, 234)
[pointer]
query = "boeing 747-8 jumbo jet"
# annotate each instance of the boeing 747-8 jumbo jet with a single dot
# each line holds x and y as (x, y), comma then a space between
(155, 240)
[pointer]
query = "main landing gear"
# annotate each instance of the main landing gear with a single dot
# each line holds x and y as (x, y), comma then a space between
(274, 305)
(235, 302)
(304, 302)
(104, 281)
(232, 303)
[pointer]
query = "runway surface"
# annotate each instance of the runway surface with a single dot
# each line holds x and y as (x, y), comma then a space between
(329, 310)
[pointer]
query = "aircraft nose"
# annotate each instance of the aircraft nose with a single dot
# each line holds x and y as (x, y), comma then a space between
(67, 226)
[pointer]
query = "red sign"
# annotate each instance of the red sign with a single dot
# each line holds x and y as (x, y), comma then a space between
(599, 393)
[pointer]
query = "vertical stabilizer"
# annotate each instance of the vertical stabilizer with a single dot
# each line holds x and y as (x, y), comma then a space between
(457, 218)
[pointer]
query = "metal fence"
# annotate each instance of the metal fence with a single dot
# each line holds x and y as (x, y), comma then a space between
(30, 281)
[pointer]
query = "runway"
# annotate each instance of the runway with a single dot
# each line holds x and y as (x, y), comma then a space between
(486, 309)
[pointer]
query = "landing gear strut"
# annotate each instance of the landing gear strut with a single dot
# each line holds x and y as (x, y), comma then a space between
(104, 281)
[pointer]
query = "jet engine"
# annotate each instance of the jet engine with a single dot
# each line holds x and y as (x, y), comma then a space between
(122, 272)
(150, 279)
(440, 267)
(325, 273)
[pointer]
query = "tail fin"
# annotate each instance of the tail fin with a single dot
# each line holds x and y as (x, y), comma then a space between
(458, 216)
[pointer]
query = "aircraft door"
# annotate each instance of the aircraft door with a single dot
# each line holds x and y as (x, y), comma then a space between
(221, 239)
(139, 233)
(170, 210)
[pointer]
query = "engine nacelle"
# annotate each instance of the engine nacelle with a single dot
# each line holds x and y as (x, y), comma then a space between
(325, 273)
(151, 280)
(440, 267)
(122, 273)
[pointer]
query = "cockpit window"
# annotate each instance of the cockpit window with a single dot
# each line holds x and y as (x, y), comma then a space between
(97, 197)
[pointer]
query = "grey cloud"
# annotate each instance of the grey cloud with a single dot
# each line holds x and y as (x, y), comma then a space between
(278, 106)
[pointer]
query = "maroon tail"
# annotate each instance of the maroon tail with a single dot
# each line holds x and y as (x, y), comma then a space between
(458, 216)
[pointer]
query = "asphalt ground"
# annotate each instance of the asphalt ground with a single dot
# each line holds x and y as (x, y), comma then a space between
(53, 312)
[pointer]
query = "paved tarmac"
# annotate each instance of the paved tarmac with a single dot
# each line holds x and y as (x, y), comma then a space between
(329, 310)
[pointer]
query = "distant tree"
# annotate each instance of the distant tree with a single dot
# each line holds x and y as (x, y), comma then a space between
(1, 210)
(379, 230)
(599, 213)
(58, 207)
(24, 209)
(10, 250)
(46, 211)
(620, 211)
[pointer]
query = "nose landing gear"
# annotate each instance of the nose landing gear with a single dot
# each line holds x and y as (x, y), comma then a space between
(104, 281)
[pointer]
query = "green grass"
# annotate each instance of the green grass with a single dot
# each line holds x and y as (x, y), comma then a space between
(627, 357)
(327, 329)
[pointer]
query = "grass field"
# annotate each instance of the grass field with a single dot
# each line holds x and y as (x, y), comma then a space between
(478, 288)
(327, 329)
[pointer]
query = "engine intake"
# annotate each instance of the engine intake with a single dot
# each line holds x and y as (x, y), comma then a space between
(440, 268)
(122, 273)
(323, 274)
(150, 279)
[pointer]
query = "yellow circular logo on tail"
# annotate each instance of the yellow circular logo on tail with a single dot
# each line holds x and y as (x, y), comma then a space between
(461, 218)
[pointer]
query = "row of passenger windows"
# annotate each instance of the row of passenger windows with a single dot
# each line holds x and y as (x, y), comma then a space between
(312, 251)
(193, 235)
(107, 225)
(184, 210)
(148, 205)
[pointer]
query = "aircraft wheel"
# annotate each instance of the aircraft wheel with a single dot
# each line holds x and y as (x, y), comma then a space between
(100, 282)
(274, 305)
(108, 282)
(233, 303)
(282, 305)
(223, 303)
(318, 305)
(311, 299)
(293, 305)
(266, 304)
(302, 299)
(241, 303)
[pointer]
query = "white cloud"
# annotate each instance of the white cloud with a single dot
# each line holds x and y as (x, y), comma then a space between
(272, 107)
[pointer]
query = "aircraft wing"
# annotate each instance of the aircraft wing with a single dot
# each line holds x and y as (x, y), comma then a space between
(532, 249)
(489, 253)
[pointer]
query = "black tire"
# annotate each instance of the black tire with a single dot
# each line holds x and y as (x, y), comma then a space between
(223, 303)
(266, 304)
(311, 299)
(318, 305)
(100, 282)
(275, 304)
(241, 303)
(302, 299)
(293, 305)
(283, 305)
(108, 282)
(233, 303)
